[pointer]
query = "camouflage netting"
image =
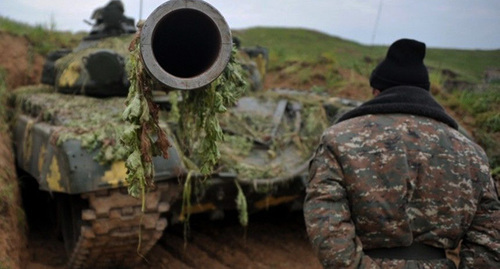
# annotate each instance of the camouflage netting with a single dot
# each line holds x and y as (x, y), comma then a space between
(290, 137)
(95, 122)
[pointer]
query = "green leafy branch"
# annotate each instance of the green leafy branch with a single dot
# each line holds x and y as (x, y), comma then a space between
(144, 138)
(199, 126)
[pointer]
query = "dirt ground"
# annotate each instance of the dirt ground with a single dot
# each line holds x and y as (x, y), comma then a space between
(12, 221)
(273, 239)
(22, 65)
(12, 224)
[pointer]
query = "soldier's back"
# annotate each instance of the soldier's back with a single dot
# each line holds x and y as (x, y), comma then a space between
(409, 178)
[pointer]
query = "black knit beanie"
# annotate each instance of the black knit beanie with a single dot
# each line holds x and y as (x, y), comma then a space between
(403, 66)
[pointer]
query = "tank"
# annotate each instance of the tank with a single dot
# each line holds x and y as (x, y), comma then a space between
(67, 129)
(97, 66)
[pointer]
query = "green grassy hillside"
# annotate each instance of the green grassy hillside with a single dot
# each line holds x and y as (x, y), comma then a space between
(305, 45)
(291, 45)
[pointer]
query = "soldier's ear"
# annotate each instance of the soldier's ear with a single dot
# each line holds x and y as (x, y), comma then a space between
(375, 92)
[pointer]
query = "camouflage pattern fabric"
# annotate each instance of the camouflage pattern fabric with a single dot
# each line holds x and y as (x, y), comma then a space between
(381, 181)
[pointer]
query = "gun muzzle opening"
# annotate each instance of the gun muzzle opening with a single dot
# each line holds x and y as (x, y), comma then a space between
(186, 43)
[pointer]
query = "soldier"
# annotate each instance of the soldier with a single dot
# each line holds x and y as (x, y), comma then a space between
(393, 184)
(111, 21)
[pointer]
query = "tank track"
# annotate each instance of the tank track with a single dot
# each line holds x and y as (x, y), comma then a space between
(109, 234)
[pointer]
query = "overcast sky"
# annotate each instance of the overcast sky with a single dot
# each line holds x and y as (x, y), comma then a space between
(465, 24)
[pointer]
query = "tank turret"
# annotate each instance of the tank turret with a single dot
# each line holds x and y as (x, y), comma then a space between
(97, 67)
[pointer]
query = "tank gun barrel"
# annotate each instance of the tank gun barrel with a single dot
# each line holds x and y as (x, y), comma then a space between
(185, 44)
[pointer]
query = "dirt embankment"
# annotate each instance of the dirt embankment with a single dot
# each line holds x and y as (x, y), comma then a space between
(12, 221)
(22, 65)
(19, 65)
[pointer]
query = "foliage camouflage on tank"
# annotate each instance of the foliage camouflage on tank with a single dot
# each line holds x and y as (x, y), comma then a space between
(273, 120)
(70, 129)
(89, 120)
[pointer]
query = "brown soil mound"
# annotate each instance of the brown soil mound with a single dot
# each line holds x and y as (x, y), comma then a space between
(22, 65)
(12, 223)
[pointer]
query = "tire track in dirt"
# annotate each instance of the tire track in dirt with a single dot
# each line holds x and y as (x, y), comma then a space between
(190, 254)
(159, 257)
(272, 240)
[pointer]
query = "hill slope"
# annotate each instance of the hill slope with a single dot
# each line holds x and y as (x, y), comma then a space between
(289, 44)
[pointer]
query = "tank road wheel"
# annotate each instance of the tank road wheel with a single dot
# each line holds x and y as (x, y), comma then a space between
(105, 234)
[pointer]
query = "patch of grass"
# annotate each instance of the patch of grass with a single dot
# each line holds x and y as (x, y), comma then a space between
(334, 79)
(470, 65)
(3, 84)
(484, 107)
(304, 75)
(6, 190)
(481, 101)
(3, 100)
(43, 37)
(7, 193)
(491, 145)
(437, 82)
(496, 173)
(291, 69)
(328, 58)
(318, 89)
(490, 121)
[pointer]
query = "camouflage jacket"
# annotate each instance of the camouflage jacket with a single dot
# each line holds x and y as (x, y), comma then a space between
(388, 180)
